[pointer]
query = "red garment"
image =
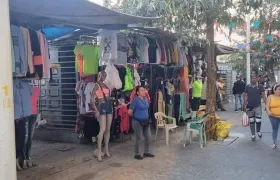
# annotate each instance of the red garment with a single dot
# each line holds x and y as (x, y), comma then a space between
(34, 99)
(122, 112)
(133, 95)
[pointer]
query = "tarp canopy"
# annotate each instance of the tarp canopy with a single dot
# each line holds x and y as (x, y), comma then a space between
(72, 13)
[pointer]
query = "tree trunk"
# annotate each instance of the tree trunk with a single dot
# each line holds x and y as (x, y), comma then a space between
(211, 81)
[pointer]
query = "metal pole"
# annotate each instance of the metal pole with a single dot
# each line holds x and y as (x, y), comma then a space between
(248, 63)
(7, 129)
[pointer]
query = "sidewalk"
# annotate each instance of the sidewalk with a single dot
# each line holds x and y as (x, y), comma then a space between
(241, 160)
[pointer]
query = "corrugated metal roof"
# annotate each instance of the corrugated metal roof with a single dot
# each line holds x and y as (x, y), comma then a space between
(75, 13)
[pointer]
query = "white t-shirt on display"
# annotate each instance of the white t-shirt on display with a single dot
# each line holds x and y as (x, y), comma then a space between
(109, 46)
(88, 92)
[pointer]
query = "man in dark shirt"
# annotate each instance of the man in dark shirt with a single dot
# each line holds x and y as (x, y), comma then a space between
(252, 103)
(238, 90)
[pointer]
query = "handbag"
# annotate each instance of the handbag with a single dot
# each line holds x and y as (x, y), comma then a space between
(145, 123)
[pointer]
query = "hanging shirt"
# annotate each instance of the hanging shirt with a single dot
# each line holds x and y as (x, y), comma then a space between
(37, 56)
(44, 52)
(34, 99)
(152, 50)
(22, 92)
(19, 51)
(27, 49)
(112, 80)
(90, 55)
(158, 51)
(109, 46)
(129, 84)
(122, 112)
(88, 94)
(137, 79)
(143, 49)
(80, 87)
(122, 50)
(132, 55)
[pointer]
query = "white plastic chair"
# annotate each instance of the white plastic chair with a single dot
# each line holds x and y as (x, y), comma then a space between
(161, 124)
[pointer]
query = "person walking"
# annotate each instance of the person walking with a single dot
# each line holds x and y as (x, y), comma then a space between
(273, 111)
(219, 94)
(238, 90)
(139, 111)
(252, 105)
(267, 86)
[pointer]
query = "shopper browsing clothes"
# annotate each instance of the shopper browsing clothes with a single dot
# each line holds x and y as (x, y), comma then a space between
(273, 111)
(238, 90)
(252, 104)
(139, 111)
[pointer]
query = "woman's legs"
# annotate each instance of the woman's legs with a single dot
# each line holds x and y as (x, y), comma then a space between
(102, 124)
(147, 134)
(107, 133)
(275, 126)
(137, 127)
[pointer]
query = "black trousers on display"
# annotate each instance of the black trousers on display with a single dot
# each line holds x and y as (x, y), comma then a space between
(20, 133)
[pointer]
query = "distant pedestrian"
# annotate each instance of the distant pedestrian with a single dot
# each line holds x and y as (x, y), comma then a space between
(238, 90)
(273, 111)
(252, 103)
(267, 86)
(219, 94)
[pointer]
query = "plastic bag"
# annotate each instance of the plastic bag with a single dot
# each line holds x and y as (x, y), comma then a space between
(245, 120)
(222, 129)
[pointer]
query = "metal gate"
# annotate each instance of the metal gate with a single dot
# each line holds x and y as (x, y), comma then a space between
(58, 98)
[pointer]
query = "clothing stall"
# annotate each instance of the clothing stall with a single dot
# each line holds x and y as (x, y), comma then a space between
(30, 61)
(131, 59)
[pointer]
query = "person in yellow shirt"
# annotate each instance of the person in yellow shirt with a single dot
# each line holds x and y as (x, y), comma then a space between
(273, 111)
(196, 95)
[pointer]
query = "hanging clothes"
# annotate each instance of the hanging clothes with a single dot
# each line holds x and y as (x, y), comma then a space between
(88, 94)
(129, 83)
(112, 80)
(152, 51)
(109, 46)
(132, 56)
(27, 49)
(87, 59)
(21, 65)
(45, 54)
(183, 108)
(122, 113)
(22, 92)
(137, 79)
(80, 87)
(123, 47)
(34, 100)
(37, 54)
(143, 49)
(158, 52)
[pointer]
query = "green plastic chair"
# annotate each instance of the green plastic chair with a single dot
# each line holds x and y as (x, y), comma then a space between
(197, 124)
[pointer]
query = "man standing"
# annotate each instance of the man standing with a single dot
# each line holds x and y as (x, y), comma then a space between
(252, 104)
(238, 90)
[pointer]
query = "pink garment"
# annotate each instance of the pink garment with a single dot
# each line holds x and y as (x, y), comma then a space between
(34, 100)
(44, 55)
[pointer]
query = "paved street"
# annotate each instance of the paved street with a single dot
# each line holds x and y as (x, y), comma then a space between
(241, 160)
